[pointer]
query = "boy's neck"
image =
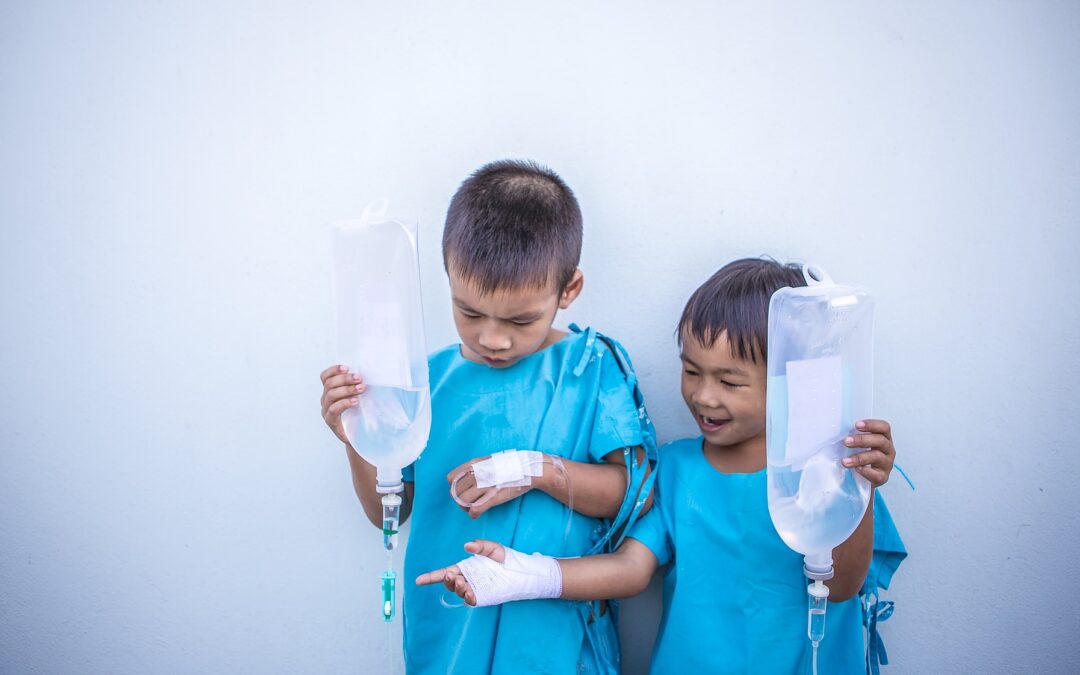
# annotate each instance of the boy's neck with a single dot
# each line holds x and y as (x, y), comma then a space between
(746, 457)
(554, 335)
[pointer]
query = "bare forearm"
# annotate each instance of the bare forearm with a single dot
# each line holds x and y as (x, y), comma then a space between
(851, 560)
(621, 574)
(597, 489)
(363, 480)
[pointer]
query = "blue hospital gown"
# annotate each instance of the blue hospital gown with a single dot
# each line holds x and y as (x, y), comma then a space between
(735, 594)
(570, 399)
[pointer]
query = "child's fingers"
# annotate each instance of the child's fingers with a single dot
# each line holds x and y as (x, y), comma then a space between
(875, 427)
(331, 371)
(486, 547)
(460, 585)
(468, 494)
(450, 581)
(341, 406)
(875, 458)
(464, 467)
(346, 381)
(338, 393)
(342, 379)
(489, 497)
(436, 576)
(876, 476)
(466, 482)
(876, 441)
(486, 501)
(464, 591)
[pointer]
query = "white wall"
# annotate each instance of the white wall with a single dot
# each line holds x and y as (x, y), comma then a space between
(171, 500)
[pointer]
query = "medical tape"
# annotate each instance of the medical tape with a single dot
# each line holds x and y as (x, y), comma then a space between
(518, 577)
(509, 468)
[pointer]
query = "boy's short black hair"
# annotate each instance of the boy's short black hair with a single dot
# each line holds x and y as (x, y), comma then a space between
(513, 224)
(735, 300)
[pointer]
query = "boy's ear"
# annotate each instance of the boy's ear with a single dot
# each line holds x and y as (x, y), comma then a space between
(572, 289)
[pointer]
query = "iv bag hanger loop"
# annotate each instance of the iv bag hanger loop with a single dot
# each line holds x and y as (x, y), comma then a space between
(816, 276)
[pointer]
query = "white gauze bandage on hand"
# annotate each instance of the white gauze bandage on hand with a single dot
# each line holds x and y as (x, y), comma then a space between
(509, 468)
(518, 577)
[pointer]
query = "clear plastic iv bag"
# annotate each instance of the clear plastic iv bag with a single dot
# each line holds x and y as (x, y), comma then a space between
(820, 382)
(381, 337)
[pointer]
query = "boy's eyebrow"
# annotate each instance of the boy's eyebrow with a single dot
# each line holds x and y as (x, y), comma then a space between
(527, 316)
(733, 371)
(461, 303)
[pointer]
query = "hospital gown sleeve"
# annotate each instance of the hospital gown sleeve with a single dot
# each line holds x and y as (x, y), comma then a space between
(889, 550)
(616, 424)
(652, 531)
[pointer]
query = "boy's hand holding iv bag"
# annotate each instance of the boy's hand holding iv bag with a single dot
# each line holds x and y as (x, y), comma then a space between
(876, 464)
(341, 391)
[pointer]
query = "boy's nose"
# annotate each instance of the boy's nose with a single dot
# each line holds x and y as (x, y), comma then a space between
(705, 397)
(494, 340)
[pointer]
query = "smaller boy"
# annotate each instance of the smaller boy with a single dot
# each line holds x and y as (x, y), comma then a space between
(735, 598)
(511, 247)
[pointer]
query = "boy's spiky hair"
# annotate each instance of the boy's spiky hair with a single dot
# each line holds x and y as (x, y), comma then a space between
(735, 301)
(513, 224)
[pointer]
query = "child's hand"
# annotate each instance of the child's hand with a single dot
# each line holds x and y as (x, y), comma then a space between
(495, 574)
(480, 499)
(877, 464)
(341, 390)
(451, 576)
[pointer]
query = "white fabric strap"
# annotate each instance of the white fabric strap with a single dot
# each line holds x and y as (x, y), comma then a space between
(509, 468)
(519, 577)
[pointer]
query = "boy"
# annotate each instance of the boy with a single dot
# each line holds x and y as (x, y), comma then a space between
(735, 597)
(511, 247)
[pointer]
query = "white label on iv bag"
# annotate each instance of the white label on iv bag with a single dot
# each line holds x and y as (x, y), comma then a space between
(815, 400)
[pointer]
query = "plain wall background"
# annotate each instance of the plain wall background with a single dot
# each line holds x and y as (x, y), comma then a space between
(170, 500)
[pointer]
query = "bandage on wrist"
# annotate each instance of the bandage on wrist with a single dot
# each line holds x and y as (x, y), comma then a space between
(518, 577)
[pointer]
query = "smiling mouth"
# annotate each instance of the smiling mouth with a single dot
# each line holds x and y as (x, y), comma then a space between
(711, 423)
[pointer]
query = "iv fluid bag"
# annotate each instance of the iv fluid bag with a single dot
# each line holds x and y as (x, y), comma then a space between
(820, 382)
(381, 337)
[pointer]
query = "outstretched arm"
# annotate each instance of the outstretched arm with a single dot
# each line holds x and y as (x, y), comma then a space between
(622, 574)
(514, 576)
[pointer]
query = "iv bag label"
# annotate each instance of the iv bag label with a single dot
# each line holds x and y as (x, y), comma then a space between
(815, 401)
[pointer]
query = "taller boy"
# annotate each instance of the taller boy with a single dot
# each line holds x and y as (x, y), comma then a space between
(511, 248)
